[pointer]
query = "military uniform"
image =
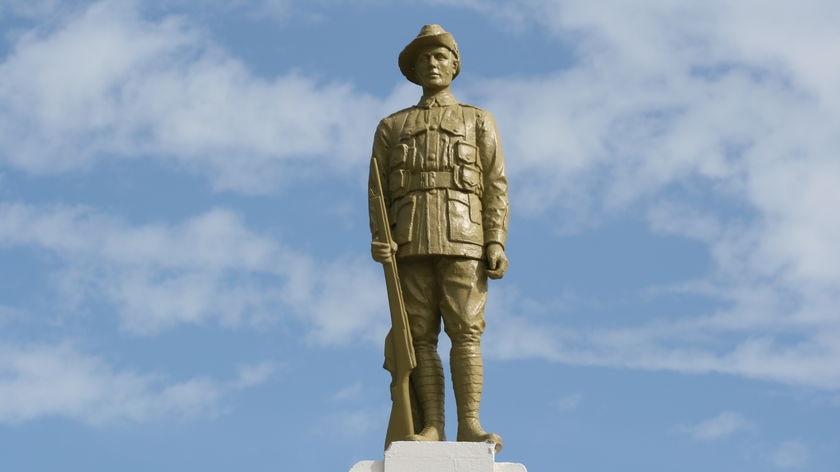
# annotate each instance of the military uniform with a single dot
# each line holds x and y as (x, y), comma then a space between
(442, 166)
(442, 170)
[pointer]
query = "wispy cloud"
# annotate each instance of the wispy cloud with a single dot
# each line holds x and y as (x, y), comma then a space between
(568, 402)
(108, 84)
(349, 392)
(792, 454)
(758, 349)
(665, 103)
(253, 375)
(720, 426)
(210, 268)
(350, 423)
(28, 8)
(348, 415)
(39, 381)
(726, 103)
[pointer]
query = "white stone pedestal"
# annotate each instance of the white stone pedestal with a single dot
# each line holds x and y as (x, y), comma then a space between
(408, 456)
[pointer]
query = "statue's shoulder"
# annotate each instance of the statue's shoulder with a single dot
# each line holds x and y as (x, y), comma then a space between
(481, 114)
(478, 111)
(467, 105)
(398, 114)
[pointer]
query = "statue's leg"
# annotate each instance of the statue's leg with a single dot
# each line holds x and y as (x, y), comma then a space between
(463, 300)
(428, 384)
(467, 379)
(420, 294)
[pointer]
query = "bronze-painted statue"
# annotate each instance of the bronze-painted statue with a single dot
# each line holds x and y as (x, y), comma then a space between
(438, 174)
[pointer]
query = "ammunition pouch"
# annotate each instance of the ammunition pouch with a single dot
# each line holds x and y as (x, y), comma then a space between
(465, 178)
(462, 169)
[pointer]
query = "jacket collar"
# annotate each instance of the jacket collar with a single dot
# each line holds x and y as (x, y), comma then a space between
(441, 99)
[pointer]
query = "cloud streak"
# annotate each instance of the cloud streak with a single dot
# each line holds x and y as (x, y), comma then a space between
(793, 454)
(210, 268)
(744, 343)
(647, 118)
(108, 83)
(666, 109)
(718, 427)
(38, 381)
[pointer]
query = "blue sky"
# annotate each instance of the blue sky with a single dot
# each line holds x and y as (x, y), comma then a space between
(186, 282)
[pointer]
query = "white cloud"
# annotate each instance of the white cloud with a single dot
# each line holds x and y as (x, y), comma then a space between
(651, 102)
(511, 334)
(252, 375)
(157, 276)
(735, 102)
(346, 422)
(210, 268)
(107, 83)
(28, 8)
(349, 392)
(568, 402)
(792, 454)
(745, 343)
(40, 381)
(348, 302)
(349, 424)
(716, 120)
(707, 97)
(720, 426)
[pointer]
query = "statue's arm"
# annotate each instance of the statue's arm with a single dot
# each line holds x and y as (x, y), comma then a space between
(379, 251)
(495, 202)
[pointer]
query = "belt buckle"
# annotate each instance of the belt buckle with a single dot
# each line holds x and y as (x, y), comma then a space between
(427, 179)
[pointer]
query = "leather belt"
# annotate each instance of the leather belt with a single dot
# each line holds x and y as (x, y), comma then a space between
(430, 180)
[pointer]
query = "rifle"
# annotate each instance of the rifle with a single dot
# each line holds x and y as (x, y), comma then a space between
(401, 422)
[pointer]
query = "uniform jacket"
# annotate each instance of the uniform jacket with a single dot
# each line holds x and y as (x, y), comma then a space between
(443, 176)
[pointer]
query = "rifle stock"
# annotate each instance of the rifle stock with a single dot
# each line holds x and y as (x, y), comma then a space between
(401, 422)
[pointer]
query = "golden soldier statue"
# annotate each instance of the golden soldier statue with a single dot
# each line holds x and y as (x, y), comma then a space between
(444, 188)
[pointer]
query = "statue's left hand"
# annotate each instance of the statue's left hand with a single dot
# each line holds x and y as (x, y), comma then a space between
(497, 262)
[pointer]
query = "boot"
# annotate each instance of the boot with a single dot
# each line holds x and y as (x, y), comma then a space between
(428, 385)
(467, 380)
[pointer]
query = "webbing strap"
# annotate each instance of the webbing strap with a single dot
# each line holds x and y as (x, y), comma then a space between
(469, 117)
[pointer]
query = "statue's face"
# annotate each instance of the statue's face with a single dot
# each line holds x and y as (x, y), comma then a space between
(435, 67)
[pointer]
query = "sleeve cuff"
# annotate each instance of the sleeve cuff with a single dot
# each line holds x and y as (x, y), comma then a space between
(494, 236)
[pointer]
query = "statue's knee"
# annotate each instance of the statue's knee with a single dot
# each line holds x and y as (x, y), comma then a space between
(425, 343)
(466, 336)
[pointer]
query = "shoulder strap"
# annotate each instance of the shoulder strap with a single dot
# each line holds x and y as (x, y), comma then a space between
(469, 123)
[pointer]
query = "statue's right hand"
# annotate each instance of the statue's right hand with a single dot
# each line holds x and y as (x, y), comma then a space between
(382, 252)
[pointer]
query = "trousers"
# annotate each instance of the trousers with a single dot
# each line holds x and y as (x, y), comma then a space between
(444, 288)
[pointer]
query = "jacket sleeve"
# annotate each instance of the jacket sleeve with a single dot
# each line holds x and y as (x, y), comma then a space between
(495, 194)
(379, 153)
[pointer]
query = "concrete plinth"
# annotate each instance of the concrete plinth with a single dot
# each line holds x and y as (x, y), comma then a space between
(408, 456)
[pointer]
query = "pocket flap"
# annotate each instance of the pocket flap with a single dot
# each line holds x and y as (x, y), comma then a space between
(465, 152)
(454, 127)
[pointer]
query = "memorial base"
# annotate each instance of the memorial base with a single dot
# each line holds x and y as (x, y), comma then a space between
(410, 456)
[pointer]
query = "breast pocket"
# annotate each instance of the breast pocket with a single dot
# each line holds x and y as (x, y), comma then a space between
(465, 153)
(399, 156)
